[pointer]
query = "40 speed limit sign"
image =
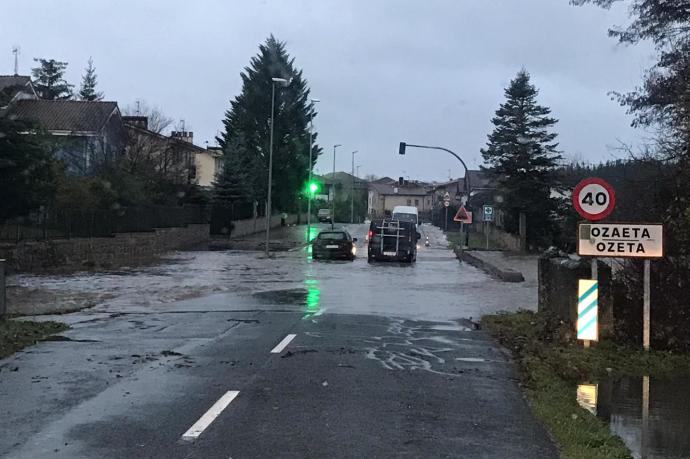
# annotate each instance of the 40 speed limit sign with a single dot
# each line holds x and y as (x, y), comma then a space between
(594, 199)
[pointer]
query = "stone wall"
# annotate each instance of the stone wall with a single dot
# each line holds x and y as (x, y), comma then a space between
(558, 284)
(82, 253)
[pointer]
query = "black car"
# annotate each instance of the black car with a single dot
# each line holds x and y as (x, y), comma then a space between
(335, 244)
(393, 240)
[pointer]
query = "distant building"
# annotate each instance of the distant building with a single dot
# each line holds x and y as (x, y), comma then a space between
(14, 88)
(386, 194)
(172, 158)
(89, 133)
(208, 165)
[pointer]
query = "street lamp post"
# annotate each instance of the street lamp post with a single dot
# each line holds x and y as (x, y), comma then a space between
(352, 192)
(311, 147)
(333, 185)
(284, 82)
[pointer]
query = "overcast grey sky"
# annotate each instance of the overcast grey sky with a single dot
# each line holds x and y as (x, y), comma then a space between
(425, 71)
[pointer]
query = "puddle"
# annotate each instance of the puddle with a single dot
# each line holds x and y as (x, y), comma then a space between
(296, 296)
(652, 416)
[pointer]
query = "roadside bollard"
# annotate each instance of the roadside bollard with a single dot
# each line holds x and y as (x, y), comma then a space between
(3, 296)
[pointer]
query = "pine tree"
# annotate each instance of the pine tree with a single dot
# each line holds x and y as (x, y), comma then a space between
(48, 80)
(88, 84)
(232, 184)
(249, 119)
(522, 156)
(27, 172)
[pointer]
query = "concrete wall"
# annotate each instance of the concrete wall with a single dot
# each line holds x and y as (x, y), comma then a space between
(80, 253)
(251, 226)
(558, 284)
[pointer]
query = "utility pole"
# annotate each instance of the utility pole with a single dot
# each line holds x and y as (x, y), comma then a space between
(270, 162)
(333, 185)
(352, 192)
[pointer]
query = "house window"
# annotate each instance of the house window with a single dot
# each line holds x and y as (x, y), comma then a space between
(409, 202)
(416, 202)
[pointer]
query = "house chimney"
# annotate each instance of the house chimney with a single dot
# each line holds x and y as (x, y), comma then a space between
(185, 136)
(137, 121)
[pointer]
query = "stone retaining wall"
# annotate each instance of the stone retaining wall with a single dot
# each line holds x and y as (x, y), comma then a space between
(108, 252)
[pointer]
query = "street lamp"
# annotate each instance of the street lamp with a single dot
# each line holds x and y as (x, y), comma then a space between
(284, 82)
(333, 185)
(352, 192)
(311, 147)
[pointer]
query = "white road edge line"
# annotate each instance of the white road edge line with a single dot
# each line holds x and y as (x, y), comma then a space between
(283, 344)
(209, 416)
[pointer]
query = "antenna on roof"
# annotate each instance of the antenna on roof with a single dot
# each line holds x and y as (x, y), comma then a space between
(138, 108)
(182, 124)
(15, 51)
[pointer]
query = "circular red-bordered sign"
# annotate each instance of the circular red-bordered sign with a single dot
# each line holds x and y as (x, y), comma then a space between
(594, 199)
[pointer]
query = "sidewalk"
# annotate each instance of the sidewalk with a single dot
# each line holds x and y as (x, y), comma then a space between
(508, 266)
(282, 239)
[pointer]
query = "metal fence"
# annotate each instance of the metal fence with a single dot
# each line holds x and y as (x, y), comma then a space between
(223, 215)
(71, 223)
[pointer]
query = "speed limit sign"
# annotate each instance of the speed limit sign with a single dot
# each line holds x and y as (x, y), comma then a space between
(594, 199)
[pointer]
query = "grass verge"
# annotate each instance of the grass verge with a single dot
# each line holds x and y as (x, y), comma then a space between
(551, 364)
(17, 334)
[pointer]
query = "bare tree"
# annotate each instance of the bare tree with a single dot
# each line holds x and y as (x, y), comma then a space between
(158, 122)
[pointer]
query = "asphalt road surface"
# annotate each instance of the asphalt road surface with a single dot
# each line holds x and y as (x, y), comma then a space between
(280, 357)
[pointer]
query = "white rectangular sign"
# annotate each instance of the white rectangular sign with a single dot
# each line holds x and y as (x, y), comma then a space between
(620, 240)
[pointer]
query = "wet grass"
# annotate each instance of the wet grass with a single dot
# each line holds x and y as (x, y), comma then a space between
(552, 363)
(476, 240)
(18, 334)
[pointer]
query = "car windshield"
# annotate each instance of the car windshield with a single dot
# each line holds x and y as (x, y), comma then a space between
(332, 236)
(405, 217)
(344, 228)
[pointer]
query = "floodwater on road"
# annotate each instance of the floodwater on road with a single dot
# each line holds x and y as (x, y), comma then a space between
(437, 287)
(652, 416)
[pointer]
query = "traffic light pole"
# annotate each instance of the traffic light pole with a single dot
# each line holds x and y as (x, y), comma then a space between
(404, 145)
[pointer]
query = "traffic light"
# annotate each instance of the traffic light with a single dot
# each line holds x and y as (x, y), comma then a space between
(402, 147)
(312, 188)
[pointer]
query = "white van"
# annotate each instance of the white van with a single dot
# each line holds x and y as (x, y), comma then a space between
(406, 213)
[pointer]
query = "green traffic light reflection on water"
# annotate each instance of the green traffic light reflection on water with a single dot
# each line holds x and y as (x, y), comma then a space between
(313, 297)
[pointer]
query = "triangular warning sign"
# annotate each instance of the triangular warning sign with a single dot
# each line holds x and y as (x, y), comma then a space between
(463, 216)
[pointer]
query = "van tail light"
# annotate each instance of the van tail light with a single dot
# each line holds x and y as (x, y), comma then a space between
(371, 233)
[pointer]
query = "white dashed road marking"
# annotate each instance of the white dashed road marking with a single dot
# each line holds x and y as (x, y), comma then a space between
(209, 416)
(283, 344)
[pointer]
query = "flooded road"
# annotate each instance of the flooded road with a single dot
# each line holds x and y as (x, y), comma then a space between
(230, 354)
(437, 287)
(652, 416)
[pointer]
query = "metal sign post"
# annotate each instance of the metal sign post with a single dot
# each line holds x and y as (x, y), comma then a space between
(3, 297)
(646, 319)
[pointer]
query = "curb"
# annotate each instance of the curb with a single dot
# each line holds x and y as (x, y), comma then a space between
(506, 275)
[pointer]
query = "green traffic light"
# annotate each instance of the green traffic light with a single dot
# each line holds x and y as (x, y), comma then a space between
(313, 188)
